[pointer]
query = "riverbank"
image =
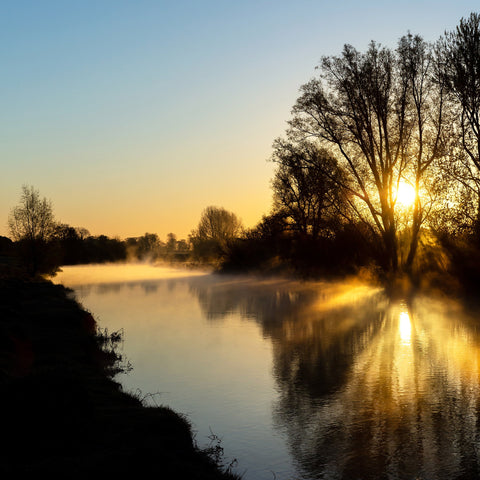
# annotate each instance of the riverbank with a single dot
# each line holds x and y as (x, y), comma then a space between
(63, 414)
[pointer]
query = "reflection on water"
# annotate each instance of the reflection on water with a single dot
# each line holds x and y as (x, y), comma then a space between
(405, 327)
(407, 408)
(308, 380)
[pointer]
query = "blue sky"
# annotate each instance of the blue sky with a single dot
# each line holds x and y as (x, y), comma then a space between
(133, 116)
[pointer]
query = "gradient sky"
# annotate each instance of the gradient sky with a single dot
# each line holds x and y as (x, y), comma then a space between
(133, 116)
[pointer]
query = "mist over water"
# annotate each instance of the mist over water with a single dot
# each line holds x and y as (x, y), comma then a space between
(120, 273)
(306, 380)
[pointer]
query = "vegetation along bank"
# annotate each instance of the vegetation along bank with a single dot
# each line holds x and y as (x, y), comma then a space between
(62, 412)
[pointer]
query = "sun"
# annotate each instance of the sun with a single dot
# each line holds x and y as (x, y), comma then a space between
(405, 194)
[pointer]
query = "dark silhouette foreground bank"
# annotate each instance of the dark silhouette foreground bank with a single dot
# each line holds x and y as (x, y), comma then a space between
(62, 413)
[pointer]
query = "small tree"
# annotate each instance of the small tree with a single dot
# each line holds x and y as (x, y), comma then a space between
(32, 224)
(217, 226)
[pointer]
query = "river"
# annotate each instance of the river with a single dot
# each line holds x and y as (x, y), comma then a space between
(299, 380)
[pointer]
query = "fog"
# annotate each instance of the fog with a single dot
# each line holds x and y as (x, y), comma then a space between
(75, 275)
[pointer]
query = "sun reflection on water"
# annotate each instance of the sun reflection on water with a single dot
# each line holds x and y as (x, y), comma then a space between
(405, 328)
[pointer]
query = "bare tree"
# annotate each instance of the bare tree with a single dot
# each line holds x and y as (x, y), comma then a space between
(306, 186)
(217, 223)
(32, 223)
(217, 226)
(459, 62)
(33, 218)
(372, 112)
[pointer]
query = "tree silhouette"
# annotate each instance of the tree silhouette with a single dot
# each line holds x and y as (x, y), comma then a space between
(148, 246)
(380, 115)
(306, 186)
(217, 226)
(217, 223)
(32, 224)
(459, 68)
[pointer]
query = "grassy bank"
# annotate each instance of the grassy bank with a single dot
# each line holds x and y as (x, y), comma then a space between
(62, 413)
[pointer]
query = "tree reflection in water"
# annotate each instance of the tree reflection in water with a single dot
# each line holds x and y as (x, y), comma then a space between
(368, 387)
(406, 408)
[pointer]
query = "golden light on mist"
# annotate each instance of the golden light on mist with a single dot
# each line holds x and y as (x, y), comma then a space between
(405, 194)
(74, 275)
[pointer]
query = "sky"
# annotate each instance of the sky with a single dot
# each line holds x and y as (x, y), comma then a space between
(134, 116)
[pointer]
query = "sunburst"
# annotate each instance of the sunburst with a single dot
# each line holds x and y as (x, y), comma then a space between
(405, 194)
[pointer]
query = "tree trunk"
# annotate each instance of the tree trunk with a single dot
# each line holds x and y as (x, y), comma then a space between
(391, 248)
(416, 222)
(412, 252)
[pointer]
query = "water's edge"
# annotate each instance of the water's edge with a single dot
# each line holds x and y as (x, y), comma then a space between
(80, 421)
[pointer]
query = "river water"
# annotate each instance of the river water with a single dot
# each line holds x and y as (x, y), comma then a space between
(299, 380)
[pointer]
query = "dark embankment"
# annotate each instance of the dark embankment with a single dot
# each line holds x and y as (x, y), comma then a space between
(62, 414)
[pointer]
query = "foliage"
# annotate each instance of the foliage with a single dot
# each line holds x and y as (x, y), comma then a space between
(112, 361)
(148, 246)
(273, 247)
(369, 122)
(73, 246)
(6, 246)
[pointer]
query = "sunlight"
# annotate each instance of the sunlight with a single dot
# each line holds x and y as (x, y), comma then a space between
(405, 328)
(405, 194)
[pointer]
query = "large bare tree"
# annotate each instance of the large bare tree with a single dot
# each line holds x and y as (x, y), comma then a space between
(380, 115)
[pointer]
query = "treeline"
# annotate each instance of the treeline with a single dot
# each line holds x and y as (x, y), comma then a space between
(150, 247)
(71, 246)
(41, 244)
(66, 245)
(276, 246)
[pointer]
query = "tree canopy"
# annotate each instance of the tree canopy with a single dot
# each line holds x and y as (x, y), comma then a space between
(32, 219)
(379, 114)
(32, 224)
(217, 223)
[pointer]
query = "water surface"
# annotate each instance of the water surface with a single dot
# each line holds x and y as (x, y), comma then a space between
(300, 380)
